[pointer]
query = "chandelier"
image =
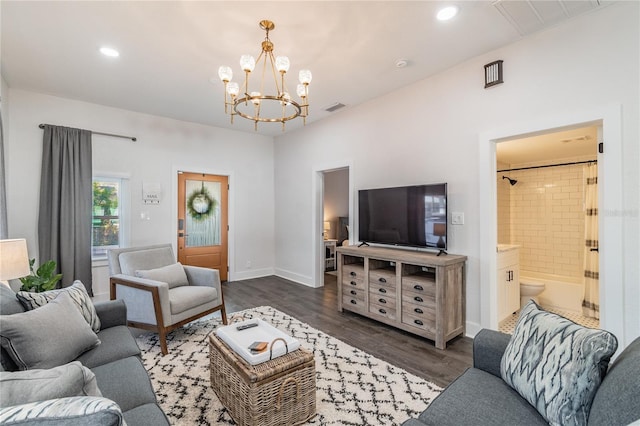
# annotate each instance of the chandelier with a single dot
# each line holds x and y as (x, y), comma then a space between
(270, 102)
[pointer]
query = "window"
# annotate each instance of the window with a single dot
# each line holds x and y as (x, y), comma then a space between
(107, 227)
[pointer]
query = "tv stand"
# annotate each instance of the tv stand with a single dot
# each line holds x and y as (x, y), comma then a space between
(419, 292)
(364, 243)
(442, 252)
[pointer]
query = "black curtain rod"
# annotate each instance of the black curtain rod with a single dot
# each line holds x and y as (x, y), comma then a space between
(548, 165)
(104, 134)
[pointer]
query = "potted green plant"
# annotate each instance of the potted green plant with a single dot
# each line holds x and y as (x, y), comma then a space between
(43, 279)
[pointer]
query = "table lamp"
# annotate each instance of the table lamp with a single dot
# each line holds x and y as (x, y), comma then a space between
(14, 260)
(440, 230)
(327, 228)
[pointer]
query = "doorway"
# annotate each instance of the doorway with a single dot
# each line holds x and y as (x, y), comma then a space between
(332, 186)
(547, 205)
(202, 234)
(335, 216)
(609, 117)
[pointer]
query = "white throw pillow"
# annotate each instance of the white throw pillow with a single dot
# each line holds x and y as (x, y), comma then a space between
(173, 275)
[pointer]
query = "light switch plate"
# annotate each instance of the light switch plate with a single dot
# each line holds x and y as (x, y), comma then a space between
(457, 218)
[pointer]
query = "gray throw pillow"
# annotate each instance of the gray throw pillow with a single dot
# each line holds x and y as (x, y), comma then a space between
(21, 387)
(78, 294)
(49, 336)
(556, 364)
(71, 411)
(173, 275)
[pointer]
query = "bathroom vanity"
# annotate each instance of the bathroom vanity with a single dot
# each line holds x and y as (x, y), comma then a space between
(508, 264)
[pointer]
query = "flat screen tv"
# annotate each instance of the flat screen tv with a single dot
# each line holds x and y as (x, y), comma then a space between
(412, 216)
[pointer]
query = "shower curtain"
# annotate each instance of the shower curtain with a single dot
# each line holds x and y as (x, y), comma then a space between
(591, 302)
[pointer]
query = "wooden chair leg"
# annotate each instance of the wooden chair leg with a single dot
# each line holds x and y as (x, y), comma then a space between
(163, 342)
(223, 312)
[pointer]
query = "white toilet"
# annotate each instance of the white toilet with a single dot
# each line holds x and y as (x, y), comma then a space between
(530, 289)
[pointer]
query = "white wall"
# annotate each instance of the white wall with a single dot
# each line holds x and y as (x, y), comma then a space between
(164, 146)
(429, 132)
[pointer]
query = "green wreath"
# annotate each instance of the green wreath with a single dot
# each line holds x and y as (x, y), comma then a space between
(201, 204)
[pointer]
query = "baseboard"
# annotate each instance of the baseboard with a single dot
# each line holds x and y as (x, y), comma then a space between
(472, 328)
(251, 273)
(298, 278)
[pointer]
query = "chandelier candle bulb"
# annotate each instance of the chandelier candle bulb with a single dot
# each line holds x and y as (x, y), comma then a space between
(271, 90)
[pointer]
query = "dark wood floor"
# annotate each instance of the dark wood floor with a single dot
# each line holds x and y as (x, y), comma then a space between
(318, 308)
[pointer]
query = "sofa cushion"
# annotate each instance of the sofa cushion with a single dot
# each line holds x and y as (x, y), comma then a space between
(556, 364)
(478, 397)
(117, 343)
(78, 294)
(617, 401)
(184, 298)
(9, 304)
(152, 258)
(147, 414)
(21, 387)
(72, 411)
(173, 275)
(46, 337)
(126, 382)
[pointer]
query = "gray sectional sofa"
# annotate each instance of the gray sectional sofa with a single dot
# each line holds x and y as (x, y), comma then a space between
(480, 396)
(119, 373)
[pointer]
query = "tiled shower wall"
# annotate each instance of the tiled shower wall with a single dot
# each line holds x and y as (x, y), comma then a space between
(546, 217)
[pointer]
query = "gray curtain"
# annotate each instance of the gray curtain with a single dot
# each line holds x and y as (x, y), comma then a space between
(4, 230)
(64, 220)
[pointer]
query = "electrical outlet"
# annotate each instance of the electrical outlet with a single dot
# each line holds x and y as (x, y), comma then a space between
(248, 264)
(457, 218)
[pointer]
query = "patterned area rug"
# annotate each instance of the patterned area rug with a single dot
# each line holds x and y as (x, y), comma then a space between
(353, 387)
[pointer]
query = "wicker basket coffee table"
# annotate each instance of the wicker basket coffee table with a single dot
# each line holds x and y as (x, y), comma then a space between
(281, 391)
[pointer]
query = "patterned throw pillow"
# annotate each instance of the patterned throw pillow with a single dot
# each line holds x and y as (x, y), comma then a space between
(556, 364)
(72, 411)
(78, 293)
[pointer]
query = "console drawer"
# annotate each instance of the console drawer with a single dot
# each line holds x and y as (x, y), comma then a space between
(353, 293)
(381, 290)
(353, 303)
(419, 299)
(357, 283)
(382, 277)
(419, 284)
(383, 310)
(419, 321)
(353, 271)
(382, 300)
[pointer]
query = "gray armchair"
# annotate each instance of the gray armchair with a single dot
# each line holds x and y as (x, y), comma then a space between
(160, 294)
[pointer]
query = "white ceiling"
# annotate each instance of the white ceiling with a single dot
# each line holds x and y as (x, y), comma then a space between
(565, 144)
(169, 50)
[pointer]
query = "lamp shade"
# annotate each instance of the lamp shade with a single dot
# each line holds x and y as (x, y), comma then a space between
(327, 225)
(14, 259)
(440, 229)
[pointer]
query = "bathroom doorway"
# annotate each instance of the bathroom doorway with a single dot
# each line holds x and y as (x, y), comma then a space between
(546, 187)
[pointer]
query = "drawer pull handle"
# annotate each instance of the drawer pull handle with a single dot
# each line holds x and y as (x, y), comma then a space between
(418, 287)
(353, 283)
(353, 274)
(382, 280)
(418, 322)
(382, 301)
(382, 290)
(353, 292)
(418, 311)
(418, 299)
(353, 301)
(382, 311)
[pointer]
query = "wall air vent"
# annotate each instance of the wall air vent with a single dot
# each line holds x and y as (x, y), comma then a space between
(334, 107)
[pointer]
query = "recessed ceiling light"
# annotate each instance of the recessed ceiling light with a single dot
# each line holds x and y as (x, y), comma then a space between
(108, 51)
(447, 13)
